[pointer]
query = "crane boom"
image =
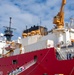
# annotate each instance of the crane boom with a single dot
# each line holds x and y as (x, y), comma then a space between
(59, 18)
(62, 6)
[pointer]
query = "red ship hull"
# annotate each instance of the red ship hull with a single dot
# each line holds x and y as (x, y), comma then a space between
(47, 63)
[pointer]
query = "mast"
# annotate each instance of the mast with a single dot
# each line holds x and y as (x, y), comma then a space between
(59, 18)
(10, 22)
(8, 32)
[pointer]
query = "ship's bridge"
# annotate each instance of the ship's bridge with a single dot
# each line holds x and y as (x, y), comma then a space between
(34, 31)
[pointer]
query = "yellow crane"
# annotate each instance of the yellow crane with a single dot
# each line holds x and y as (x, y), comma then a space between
(59, 18)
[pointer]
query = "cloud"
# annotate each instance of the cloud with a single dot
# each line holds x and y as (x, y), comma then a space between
(30, 12)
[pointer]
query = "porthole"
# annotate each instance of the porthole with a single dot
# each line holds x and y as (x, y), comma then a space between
(14, 61)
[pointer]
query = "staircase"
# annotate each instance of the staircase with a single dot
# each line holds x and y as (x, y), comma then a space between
(63, 52)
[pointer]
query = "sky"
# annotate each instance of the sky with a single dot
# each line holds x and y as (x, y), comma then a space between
(32, 12)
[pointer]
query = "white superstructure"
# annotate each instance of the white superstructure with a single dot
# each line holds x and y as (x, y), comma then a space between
(61, 39)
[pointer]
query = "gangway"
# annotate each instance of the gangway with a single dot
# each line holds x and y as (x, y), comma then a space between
(23, 68)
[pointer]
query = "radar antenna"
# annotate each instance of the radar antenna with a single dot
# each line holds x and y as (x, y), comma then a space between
(8, 32)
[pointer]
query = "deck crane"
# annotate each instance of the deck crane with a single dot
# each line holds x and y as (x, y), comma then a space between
(59, 18)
